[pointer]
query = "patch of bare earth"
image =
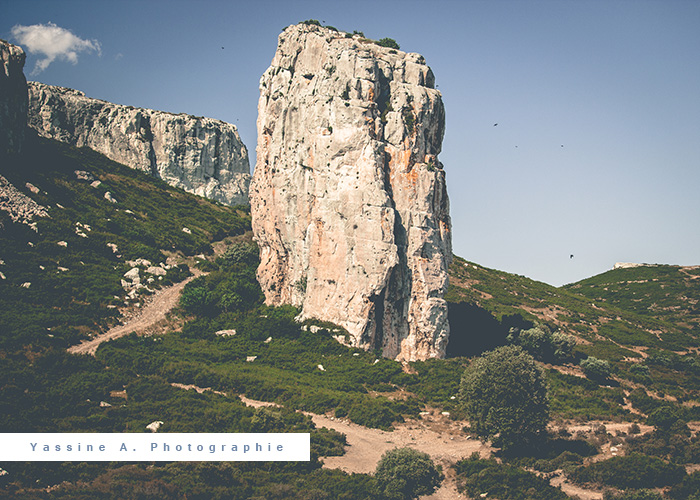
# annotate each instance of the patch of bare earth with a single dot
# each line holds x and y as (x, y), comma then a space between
(434, 434)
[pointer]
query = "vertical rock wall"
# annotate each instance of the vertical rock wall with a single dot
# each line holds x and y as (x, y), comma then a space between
(13, 98)
(200, 155)
(348, 197)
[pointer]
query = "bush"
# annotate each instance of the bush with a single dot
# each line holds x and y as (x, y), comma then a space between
(688, 489)
(631, 471)
(595, 369)
(543, 344)
(405, 474)
(389, 42)
(504, 394)
(664, 417)
(506, 482)
(241, 253)
(633, 495)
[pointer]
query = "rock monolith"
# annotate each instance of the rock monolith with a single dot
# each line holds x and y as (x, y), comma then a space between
(348, 197)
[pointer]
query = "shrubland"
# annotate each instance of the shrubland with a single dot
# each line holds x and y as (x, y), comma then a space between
(598, 358)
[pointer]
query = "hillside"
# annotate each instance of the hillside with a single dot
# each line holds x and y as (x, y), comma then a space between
(64, 275)
(79, 265)
(666, 293)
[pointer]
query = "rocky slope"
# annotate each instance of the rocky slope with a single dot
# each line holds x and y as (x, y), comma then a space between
(13, 98)
(348, 197)
(200, 155)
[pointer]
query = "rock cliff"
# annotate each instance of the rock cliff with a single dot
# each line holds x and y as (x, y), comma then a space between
(13, 98)
(348, 197)
(200, 155)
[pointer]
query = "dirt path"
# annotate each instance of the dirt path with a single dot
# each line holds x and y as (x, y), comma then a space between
(434, 434)
(153, 312)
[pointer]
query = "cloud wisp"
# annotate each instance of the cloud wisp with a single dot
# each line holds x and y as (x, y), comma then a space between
(51, 42)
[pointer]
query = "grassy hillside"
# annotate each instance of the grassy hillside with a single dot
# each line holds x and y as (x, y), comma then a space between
(625, 317)
(667, 293)
(76, 290)
(72, 265)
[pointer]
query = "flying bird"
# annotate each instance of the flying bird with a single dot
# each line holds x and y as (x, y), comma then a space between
(495, 124)
(571, 256)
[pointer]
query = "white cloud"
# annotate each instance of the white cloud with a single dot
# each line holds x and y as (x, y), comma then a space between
(52, 42)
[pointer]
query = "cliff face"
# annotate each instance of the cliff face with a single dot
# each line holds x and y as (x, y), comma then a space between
(348, 197)
(200, 155)
(13, 98)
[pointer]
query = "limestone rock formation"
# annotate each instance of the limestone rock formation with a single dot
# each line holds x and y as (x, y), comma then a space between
(348, 197)
(200, 155)
(13, 98)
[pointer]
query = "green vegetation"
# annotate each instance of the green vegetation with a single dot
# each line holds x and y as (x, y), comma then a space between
(630, 471)
(405, 474)
(504, 394)
(75, 260)
(634, 346)
(476, 476)
(687, 489)
(663, 292)
(633, 495)
(582, 399)
(389, 42)
(543, 344)
(595, 369)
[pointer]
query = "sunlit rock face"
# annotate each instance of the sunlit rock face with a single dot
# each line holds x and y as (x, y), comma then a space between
(348, 197)
(13, 98)
(200, 155)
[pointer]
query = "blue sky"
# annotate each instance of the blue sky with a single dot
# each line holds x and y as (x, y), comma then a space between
(597, 148)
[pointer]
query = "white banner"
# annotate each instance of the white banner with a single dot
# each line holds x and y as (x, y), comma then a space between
(150, 447)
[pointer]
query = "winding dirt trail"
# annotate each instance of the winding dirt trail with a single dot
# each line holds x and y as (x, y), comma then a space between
(153, 312)
(434, 434)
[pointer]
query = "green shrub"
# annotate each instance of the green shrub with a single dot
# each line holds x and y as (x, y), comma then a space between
(687, 489)
(664, 417)
(543, 344)
(633, 495)
(504, 393)
(476, 476)
(389, 42)
(406, 474)
(630, 471)
(596, 369)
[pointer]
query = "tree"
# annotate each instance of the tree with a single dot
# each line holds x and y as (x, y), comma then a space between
(504, 394)
(405, 474)
(595, 369)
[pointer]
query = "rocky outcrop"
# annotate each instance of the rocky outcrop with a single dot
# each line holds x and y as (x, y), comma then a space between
(19, 206)
(13, 98)
(348, 197)
(200, 155)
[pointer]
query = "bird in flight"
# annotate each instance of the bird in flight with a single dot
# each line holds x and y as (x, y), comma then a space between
(571, 256)
(495, 124)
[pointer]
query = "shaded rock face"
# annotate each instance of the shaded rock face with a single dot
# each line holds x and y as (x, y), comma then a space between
(13, 98)
(200, 155)
(348, 197)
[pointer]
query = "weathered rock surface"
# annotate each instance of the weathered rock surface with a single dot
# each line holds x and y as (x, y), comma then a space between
(13, 98)
(20, 207)
(348, 197)
(200, 155)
